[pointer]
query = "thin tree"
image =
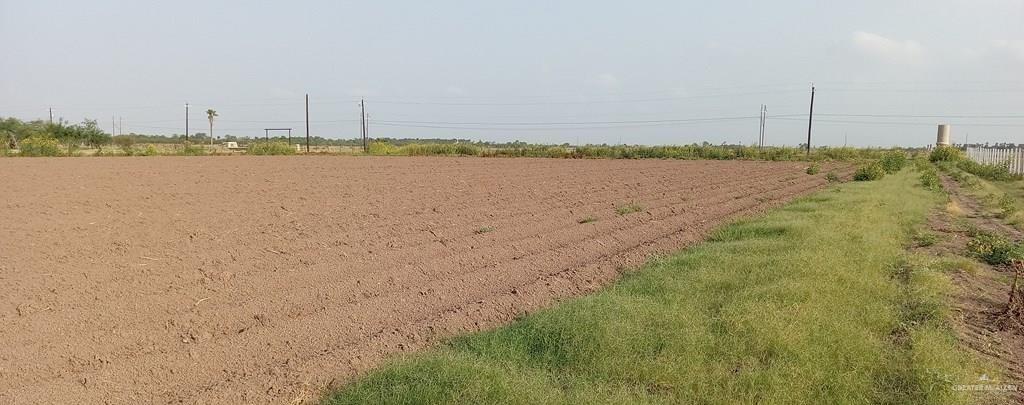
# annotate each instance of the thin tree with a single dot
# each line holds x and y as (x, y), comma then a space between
(210, 114)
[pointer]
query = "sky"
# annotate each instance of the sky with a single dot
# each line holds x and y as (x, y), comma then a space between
(570, 71)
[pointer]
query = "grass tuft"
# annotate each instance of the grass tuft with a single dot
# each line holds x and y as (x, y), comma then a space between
(628, 208)
(587, 220)
(484, 229)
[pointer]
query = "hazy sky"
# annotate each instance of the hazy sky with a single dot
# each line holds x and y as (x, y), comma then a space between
(652, 72)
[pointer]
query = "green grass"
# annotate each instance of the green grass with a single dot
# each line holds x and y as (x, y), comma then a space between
(629, 208)
(787, 308)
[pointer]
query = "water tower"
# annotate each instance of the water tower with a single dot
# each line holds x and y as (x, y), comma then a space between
(943, 138)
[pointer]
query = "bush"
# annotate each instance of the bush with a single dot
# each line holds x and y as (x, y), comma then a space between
(831, 177)
(1007, 206)
(126, 143)
(930, 180)
(149, 151)
(382, 148)
(813, 169)
(946, 154)
(446, 149)
(193, 150)
(893, 161)
(870, 172)
(39, 146)
(994, 249)
(271, 148)
(996, 172)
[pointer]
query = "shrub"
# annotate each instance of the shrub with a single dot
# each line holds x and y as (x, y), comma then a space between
(893, 161)
(193, 150)
(149, 151)
(993, 249)
(271, 148)
(813, 169)
(831, 177)
(446, 149)
(870, 172)
(997, 172)
(930, 180)
(39, 146)
(946, 154)
(382, 148)
(1007, 206)
(126, 143)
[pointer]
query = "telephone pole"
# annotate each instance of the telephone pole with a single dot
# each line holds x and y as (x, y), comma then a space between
(810, 120)
(363, 124)
(307, 122)
(186, 122)
(760, 134)
(51, 115)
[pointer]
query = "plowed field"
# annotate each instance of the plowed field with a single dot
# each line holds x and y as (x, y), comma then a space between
(263, 279)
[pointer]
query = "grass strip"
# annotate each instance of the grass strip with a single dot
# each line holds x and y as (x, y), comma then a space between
(816, 302)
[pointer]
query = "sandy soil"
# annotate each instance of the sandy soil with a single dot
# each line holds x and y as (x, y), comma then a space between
(266, 279)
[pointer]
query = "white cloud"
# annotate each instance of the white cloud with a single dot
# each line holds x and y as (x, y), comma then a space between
(886, 48)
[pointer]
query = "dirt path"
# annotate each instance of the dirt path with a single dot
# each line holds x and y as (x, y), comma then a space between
(983, 293)
(263, 279)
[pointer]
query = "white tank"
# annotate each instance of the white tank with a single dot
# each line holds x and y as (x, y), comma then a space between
(943, 137)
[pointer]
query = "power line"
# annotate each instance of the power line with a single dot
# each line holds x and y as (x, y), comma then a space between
(922, 123)
(1011, 116)
(573, 123)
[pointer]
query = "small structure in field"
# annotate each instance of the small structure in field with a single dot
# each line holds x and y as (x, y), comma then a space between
(943, 138)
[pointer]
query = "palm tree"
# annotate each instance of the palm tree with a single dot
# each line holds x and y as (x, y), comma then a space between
(210, 114)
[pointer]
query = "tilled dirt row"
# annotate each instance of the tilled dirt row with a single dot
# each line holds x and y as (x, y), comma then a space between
(246, 279)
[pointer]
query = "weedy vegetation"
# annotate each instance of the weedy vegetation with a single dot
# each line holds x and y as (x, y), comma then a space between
(484, 229)
(628, 208)
(587, 220)
(271, 148)
(870, 172)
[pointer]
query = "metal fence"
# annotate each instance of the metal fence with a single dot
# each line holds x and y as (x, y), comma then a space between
(1015, 157)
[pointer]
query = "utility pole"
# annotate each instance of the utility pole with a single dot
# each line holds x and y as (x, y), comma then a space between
(810, 120)
(113, 126)
(760, 134)
(120, 125)
(307, 122)
(51, 115)
(764, 123)
(186, 123)
(363, 124)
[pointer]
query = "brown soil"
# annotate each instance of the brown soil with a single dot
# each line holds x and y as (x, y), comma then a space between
(264, 279)
(982, 295)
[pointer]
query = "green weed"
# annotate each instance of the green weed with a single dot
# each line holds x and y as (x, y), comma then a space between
(628, 208)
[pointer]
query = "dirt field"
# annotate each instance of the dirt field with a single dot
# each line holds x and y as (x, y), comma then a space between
(264, 279)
